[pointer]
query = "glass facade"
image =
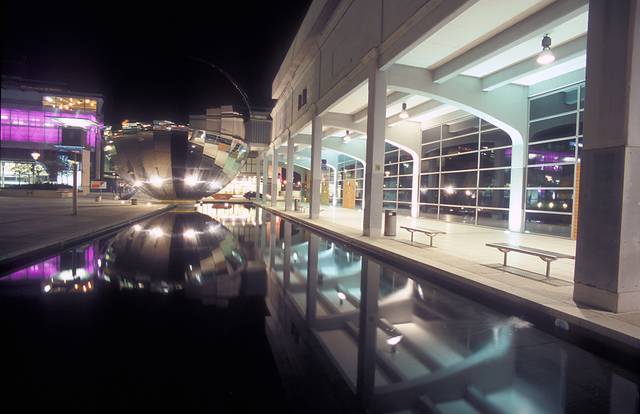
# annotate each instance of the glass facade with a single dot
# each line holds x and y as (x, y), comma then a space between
(69, 103)
(33, 126)
(398, 179)
(555, 142)
(465, 173)
(349, 168)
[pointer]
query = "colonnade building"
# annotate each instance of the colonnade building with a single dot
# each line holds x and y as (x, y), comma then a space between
(520, 116)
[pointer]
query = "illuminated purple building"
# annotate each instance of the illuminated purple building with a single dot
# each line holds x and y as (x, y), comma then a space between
(53, 123)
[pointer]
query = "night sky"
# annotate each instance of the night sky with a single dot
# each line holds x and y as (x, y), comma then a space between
(138, 56)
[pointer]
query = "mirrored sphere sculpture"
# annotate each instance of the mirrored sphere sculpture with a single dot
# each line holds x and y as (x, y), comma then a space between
(176, 164)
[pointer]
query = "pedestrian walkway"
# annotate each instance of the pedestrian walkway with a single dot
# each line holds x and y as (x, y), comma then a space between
(29, 224)
(461, 254)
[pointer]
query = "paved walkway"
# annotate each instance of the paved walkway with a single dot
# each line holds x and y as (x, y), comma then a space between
(462, 254)
(28, 224)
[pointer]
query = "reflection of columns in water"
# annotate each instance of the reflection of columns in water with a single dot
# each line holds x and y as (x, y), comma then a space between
(286, 276)
(272, 242)
(312, 278)
(369, 290)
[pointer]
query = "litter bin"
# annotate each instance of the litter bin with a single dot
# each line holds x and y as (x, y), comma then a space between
(390, 222)
(134, 201)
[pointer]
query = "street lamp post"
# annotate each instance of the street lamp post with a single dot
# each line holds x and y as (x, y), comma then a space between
(75, 188)
(35, 156)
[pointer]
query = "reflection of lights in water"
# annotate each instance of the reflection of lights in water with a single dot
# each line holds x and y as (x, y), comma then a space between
(99, 263)
(156, 232)
(47, 288)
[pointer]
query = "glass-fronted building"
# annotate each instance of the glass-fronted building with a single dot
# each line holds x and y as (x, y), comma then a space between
(54, 123)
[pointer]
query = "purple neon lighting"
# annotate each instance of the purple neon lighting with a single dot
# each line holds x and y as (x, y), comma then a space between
(19, 125)
(50, 267)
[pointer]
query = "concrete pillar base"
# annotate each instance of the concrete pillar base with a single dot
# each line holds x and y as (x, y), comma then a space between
(606, 300)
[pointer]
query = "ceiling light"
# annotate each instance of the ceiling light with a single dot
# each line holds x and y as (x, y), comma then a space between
(404, 114)
(546, 56)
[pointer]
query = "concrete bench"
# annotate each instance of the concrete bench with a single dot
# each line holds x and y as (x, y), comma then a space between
(427, 232)
(545, 255)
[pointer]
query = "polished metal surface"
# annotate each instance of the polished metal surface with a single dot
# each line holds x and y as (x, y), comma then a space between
(176, 164)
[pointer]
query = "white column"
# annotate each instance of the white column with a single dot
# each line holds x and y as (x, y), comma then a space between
(265, 177)
(316, 167)
(274, 179)
(286, 272)
(369, 292)
(608, 246)
(312, 278)
(415, 187)
(374, 163)
(288, 196)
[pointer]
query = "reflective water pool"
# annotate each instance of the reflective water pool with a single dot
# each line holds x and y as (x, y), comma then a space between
(214, 308)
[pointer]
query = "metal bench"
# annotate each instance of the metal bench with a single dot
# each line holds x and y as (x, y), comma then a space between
(545, 255)
(427, 232)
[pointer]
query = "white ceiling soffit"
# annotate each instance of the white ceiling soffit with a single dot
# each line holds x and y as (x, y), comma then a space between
(553, 71)
(411, 101)
(479, 22)
(434, 113)
(563, 33)
(353, 102)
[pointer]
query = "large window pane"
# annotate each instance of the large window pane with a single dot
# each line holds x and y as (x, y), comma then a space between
(390, 170)
(430, 135)
(493, 198)
(559, 127)
(550, 176)
(458, 145)
(405, 182)
(431, 150)
(429, 196)
(460, 162)
(493, 218)
(496, 138)
(460, 180)
(429, 212)
(405, 168)
(495, 178)
(391, 182)
(496, 158)
(404, 195)
(391, 157)
(390, 195)
(552, 224)
(556, 103)
(458, 197)
(463, 127)
(429, 181)
(431, 165)
(552, 152)
(389, 205)
(550, 200)
(458, 214)
(405, 156)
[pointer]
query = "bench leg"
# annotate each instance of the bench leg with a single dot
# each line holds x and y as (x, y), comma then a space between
(430, 241)
(548, 268)
(412, 238)
(504, 262)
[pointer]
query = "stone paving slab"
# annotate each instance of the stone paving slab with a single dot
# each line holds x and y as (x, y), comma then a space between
(460, 255)
(29, 224)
